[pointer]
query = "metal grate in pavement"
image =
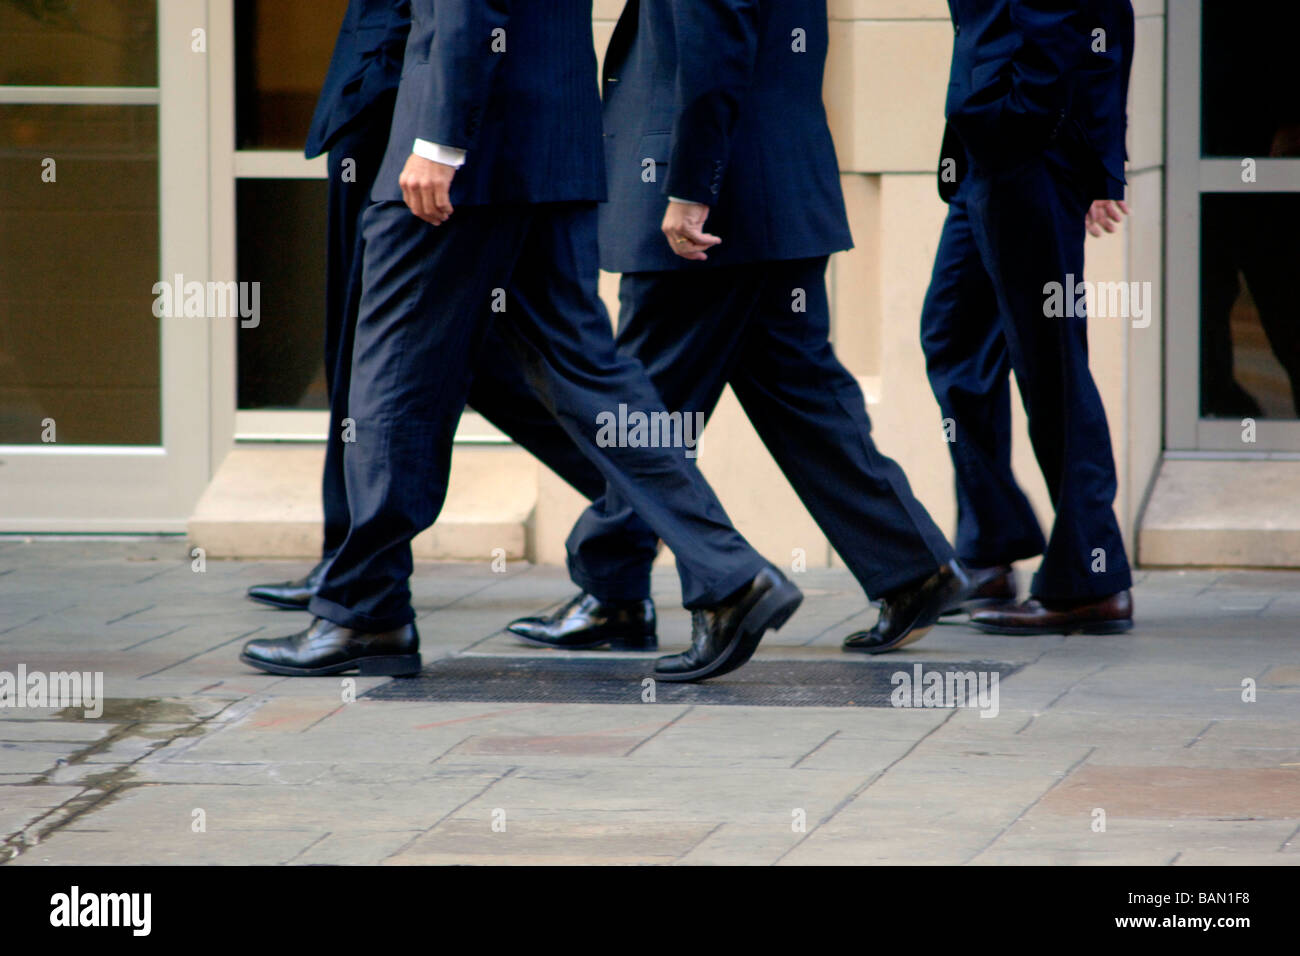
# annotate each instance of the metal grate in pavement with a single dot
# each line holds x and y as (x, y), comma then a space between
(781, 683)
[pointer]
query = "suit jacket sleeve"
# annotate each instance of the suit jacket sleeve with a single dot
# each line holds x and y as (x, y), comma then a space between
(460, 67)
(717, 46)
(1028, 103)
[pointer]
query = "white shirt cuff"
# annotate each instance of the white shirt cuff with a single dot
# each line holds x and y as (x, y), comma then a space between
(447, 155)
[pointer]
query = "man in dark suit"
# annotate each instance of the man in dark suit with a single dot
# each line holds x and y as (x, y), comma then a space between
(1036, 122)
(351, 122)
(485, 206)
(714, 118)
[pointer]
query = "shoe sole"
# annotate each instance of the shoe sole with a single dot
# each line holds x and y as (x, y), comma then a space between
(954, 615)
(388, 665)
(770, 614)
(909, 637)
(615, 644)
(278, 605)
(1100, 628)
(918, 629)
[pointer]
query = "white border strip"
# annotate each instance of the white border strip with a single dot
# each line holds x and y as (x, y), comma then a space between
(80, 95)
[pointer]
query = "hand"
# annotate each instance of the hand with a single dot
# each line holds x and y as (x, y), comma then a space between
(684, 227)
(1103, 214)
(426, 187)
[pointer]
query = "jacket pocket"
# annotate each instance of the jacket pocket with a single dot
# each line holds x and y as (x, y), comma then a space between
(652, 153)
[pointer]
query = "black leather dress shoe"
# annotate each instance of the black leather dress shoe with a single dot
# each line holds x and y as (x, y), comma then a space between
(907, 614)
(586, 622)
(725, 637)
(1107, 615)
(328, 648)
(990, 587)
(291, 595)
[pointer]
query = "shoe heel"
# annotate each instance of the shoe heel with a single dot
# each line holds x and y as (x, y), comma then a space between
(390, 665)
(1108, 627)
(773, 609)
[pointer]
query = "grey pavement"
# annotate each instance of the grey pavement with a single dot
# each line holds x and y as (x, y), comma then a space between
(1177, 744)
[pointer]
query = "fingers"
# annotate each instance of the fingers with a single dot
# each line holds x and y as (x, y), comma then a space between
(699, 237)
(429, 199)
(691, 242)
(442, 197)
(683, 227)
(689, 248)
(434, 202)
(1104, 214)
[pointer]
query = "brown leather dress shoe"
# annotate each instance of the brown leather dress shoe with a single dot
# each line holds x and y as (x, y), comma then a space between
(990, 587)
(1108, 615)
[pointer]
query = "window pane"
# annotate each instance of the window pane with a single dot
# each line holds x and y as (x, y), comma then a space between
(78, 262)
(282, 54)
(65, 43)
(282, 247)
(1250, 95)
(1250, 316)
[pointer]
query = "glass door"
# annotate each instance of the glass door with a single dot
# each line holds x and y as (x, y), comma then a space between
(279, 201)
(1233, 219)
(102, 152)
(270, 218)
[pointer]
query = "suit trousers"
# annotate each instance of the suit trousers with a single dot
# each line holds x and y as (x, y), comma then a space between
(1009, 234)
(763, 328)
(499, 390)
(429, 296)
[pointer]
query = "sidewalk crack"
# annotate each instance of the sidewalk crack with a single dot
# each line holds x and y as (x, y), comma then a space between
(865, 786)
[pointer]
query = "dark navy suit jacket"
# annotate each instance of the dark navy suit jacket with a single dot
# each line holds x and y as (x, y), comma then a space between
(514, 83)
(741, 127)
(1033, 75)
(367, 63)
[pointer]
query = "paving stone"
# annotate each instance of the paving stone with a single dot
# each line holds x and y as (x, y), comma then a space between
(738, 845)
(16, 819)
(53, 730)
(552, 842)
(1044, 837)
(355, 849)
(12, 797)
(150, 847)
(1155, 792)
(1151, 726)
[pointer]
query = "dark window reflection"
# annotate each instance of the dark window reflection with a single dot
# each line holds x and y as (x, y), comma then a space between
(1250, 68)
(1250, 315)
(282, 247)
(69, 43)
(282, 52)
(78, 261)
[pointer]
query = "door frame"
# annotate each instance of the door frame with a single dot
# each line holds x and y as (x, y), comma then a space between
(228, 425)
(1188, 176)
(147, 489)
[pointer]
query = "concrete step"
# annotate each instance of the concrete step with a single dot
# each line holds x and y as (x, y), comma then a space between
(1237, 513)
(264, 502)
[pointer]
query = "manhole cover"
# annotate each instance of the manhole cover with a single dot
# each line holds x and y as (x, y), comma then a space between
(849, 683)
